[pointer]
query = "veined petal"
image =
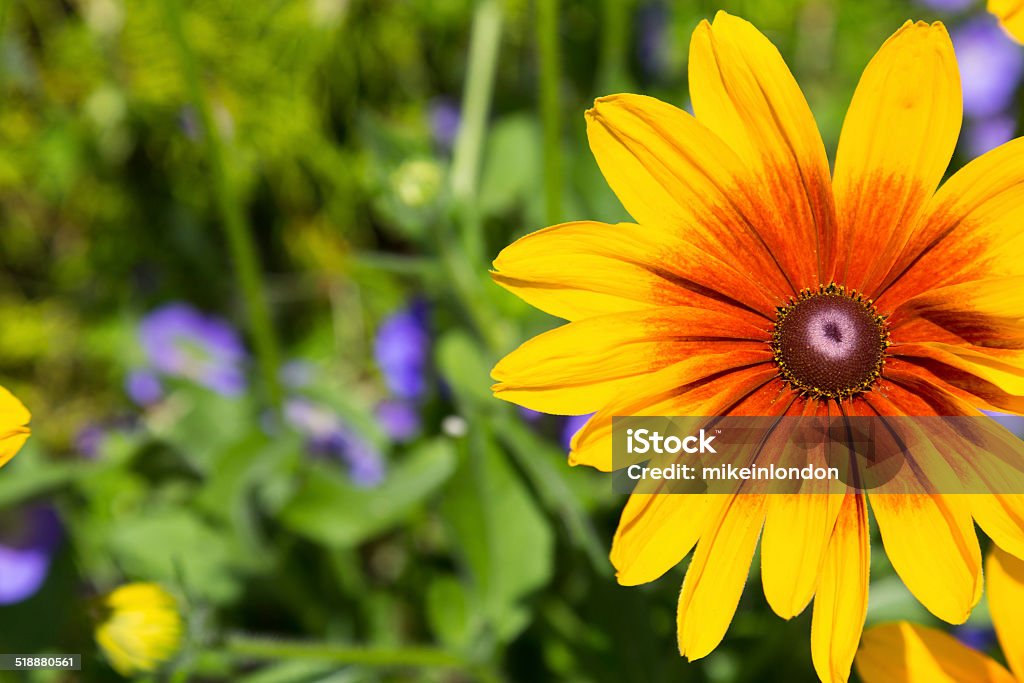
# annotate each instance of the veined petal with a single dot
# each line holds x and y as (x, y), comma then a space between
(14, 431)
(970, 229)
(705, 385)
(931, 543)
(1011, 15)
(897, 140)
(908, 653)
(1001, 517)
(841, 600)
(975, 377)
(743, 91)
(1005, 598)
(581, 366)
(673, 174)
(577, 270)
(655, 533)
(988, 313)
(717, 574)
(793, 548)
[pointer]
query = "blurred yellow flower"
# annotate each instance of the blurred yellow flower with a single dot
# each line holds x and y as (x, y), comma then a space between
(908, 653)
(142, 630)
(1011, 15)
(14, 429)
(706, 305)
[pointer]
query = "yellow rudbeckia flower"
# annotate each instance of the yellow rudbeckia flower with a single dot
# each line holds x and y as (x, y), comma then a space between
(14, 429)
(908, 653)
(1011, 15)
(739, 225)
(142, 630)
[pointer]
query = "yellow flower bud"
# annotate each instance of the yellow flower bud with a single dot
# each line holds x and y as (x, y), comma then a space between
(142, 630)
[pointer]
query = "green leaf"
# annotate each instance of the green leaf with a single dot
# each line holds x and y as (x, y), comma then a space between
(462, 364)
(505, 540)
(448, 612)
(330, 509)
(512, 166)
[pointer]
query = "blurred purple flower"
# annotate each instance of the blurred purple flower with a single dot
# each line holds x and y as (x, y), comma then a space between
(651, 24)
(402, 348)
(89, 439)
(947, 5)
(984, 135)
(573, 424)
(1013, 423)
(28, 539)
(181, 341)
(143, 387)
(991, 66)
(530, 415)
(326, 435)
(976, 637)
(445, 119)
(399, 419)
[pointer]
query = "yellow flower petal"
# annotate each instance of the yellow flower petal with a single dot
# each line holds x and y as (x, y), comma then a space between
(841, 600)
(581, 366)
(988, 313)
(1001, 517)
(655, 533)
(673, 174)
(1011, 15)
(716, 576)
(577, 270)
(907, 653)
(896, 143)
(743, 91)
(680, 389)
(1006, 604)
(14, 431)
(970, 230)
(144, 628)
(931, 542)
(796, 535)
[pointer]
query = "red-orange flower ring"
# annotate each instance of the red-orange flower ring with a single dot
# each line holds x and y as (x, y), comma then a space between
(754, 282)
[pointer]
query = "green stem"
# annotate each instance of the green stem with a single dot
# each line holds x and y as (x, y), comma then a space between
(476, 103)
(615, 23)
(232, 214)
(547, 43)
(423, 657)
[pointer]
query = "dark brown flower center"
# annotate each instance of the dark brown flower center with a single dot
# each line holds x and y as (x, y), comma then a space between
(829, 343)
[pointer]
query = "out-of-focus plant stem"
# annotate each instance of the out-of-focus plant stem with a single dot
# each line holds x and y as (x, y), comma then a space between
(547, 49)
(547, 40)
(463, 258)
(421, 657)
(232, 214)
(615, 22)
(476, 104)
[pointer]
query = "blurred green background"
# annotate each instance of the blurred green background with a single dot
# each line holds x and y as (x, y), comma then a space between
(331, 178)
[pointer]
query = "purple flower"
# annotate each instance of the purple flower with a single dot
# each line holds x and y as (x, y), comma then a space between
(947, 5)
(573, 424)
(326, 435)
(399, 419)
(976, 637)
(28, 539)
(143, 387)
(986, 134)
(402, 348)
(651, 24)
(445, 119)
(1012, 423)
(529, 415)
(89, 440)
(991, 65)
(182, 342)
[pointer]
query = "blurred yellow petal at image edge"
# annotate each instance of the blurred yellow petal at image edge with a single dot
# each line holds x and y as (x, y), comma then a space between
(740, 232)
(14, 430)
(908, 653)
(142, 630)
(1011, 16)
